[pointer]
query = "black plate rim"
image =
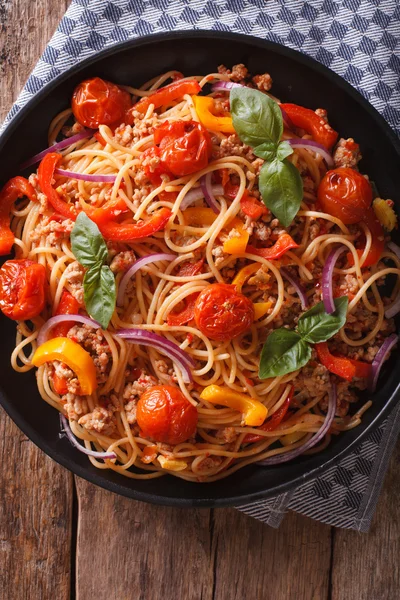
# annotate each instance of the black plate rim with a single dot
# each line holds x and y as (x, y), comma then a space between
(95, 478)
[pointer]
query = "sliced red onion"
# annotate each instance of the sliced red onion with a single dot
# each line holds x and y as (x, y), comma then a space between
(205, 182)
(56, 147)
(380, 359)
(281, 458)
(394, 308)
(297, 285)
(96, 178)
(65, 427)
(314, 146)
(286, 119)
(224, 85)
(394, 248)
(46, 328)
(197, 193)
(327, 279)
(170, 349)
(141, 262)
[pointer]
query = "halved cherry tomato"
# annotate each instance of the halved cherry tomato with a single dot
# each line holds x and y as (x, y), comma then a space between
(22, 289)
(272, 423)
(377, 243)
(97, 102)
(166, 95)
(165, 415)
(343, 367)
(307, 119)
(186, 315)
(284, 243)
(222, 313)
(345, 194)
(252, 207)
(68, 305)
(185, 146)
(15, 188)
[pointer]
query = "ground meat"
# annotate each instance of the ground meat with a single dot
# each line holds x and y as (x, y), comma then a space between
(348, 285)
(321, 112)
(74, 278)
(219, 254)
(129, 135)
(261, 279)
(134, 389)
(210, 462)
(75, 406)
(232, 146)
(347, 153)
(238, 73)
(95, 343)
(65, 373)
(130, 410)
(101, 419)
(122, 261)
(263, 82)
(261, 231)
(52, 231)
(228, 434)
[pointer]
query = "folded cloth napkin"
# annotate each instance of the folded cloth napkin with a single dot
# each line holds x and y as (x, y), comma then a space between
(360, 40)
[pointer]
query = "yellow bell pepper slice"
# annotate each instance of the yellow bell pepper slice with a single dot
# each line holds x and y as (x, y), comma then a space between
(261, 309)
(74, 356)
(237, 245)
(254, 413)
(384, 213)
(172, 464)
(242, 276)
(199, 216)
(205, 108)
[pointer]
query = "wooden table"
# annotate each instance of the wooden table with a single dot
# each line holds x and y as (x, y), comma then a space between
(63, 538)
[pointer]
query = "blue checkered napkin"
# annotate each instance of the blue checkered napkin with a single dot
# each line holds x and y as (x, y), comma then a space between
(360, 40)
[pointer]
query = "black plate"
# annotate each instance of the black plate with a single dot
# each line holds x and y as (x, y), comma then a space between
(298, 79)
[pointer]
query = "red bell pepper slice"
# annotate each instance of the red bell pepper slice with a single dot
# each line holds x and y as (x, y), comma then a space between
(46, 175)
(363, 369)
(284, 243)
(272, 423)
(129, 232)
(68, 306)
(307, 119)
(252, 207)
(100, 138)
(165, 95)
(186, 315)
(378, 240)
(343, 367)
(189, 269)
(15, 188)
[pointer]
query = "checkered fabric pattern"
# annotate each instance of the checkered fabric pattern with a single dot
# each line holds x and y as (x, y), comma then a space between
(360, 40)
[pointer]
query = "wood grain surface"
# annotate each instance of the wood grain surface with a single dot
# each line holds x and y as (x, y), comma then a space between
(104, 547)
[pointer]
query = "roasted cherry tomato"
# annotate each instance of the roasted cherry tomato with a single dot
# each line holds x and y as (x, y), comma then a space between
(22, 289)
(97, 102)
(185, 146)
(345, 194)
(222, 313)
(165, 415)
(153, 172)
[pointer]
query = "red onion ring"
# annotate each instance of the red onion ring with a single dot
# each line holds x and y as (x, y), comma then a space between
(197, 193)
(281, 458)
(66, 427)
(392, 310)
(224, 85)
(45, 329)
(85, 177)
(299, 288)
(327, 279)
(170, 349)
(394, 248)
(314, 146)
(286, 119)
(205, 182)
(56, 147)
(141, 262)
(379, 359)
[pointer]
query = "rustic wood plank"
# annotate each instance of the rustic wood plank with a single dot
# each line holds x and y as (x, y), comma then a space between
(366, 566)
(129, 550)
(257, 562)
(35, 519)
(35, 492)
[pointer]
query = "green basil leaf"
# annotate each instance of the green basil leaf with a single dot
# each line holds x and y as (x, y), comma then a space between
(256, 117)
(100, 294)
(87, 243)
(281, 189)
(315, 325)
(267, 150)
(283, 352)
(284, 149)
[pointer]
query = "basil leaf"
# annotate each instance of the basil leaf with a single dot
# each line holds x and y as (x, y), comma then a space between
(284, 149)
(256, 117)
(267, 150)
(87, 243)
(283, 352)
(316, 325)
(100, 294)
(281, 189)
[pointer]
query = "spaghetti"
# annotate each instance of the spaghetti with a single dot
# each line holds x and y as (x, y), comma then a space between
(205, 227)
